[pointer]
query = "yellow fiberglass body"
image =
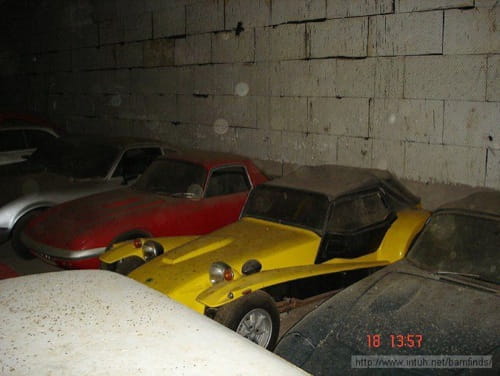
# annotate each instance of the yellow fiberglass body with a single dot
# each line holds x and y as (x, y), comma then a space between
(285, 252)
(291, 236)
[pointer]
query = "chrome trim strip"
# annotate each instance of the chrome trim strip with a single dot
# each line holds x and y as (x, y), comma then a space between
(60, 253)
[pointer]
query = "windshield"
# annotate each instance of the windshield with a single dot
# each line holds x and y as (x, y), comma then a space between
(289, 206)
(173, 177)
(75, 159)
(459, 243)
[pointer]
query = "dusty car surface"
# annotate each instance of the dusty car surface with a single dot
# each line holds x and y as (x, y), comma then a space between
(92, 322)
(317, 229)
(443, 299)
(185, 194)
(65, 169)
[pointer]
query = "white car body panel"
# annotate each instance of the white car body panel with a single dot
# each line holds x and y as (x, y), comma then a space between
(93, 322)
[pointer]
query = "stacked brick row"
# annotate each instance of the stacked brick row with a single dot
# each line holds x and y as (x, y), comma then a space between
(409, 85)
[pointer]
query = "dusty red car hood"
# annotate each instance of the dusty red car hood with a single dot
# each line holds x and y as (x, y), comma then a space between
(94, 221)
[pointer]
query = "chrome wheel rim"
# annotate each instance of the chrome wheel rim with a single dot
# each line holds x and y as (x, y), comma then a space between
(257, 326)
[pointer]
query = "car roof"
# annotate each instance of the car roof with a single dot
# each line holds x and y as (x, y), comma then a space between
(63, 320)
(335, 181)
(207, 158)
(487, 202)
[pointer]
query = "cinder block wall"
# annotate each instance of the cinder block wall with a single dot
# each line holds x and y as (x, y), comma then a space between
(408, 85)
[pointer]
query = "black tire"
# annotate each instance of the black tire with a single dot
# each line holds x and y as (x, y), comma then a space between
(238, 314)
(16, 243)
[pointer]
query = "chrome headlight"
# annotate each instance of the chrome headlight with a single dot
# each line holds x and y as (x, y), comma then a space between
(151, 249)
(220, 271)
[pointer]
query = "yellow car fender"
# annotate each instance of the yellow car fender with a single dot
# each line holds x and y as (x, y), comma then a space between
(399, 237)
(393, 248)
(126, 249)
(226, 292)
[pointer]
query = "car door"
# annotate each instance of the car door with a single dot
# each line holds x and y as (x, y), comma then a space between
(133, 163)
(356, 226)
(225, 194)
(12, 146)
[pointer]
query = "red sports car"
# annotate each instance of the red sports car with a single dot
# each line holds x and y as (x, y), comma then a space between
(187, 193)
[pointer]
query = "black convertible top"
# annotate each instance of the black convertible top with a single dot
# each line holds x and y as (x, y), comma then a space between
(487, 202)
(335, 181)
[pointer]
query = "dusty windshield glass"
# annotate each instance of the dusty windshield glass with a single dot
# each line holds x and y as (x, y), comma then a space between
(173, 177)
(289, 206)
(459, 243)
(78, 159)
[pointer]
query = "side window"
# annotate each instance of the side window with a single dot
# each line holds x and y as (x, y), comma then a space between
(11, 140)
(357, 213)
(36, 138)
(227, 180)
(135, 161)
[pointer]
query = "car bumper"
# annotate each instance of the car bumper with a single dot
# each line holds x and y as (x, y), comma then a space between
(64, 258)
(4, 234)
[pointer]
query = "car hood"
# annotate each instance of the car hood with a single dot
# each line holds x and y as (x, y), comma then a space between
(186, 267)
(452, 318)
(105, 215)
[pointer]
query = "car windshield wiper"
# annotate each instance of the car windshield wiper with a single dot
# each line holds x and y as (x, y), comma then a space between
(452, 276)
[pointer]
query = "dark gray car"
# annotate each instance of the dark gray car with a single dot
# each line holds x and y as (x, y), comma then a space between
(65, 169)
(442, 300)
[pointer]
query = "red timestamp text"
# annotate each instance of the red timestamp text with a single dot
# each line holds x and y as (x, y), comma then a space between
(395, 340)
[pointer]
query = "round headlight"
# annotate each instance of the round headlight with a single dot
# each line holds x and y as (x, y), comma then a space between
(151, 249)
(220, 271)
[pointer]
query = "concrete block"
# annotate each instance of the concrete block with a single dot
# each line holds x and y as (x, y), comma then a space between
(236, 111)
(339, 37)
(59, 39)
(205, 16)
(223, 79)
(389, 77)
(355, 8)
(282, 83)
(258, 143)
(297, 10)
(251, 13)
(255, 75)
(471, 31)
(84, 105)
(285, 42)
(85, 36)
(227, 47)
(110, 31)
(388, 155)
(355, 78)
(324, 77)
(158, 52)
(111, 82)
(309, 149)
(263, 112)
(485, 3)
(288, 113)
(129, 55)
(406, 34)
(137, 27)
(446, 77)
(194, 49)
(153, 81)
(419, 5)
(184, 80)
(93, 58)
(203, 79)
(159, 107)
(353, 151)
(493, 79)
(445, 163)
(409, 120)
(472, 124)
(169, 22)
(340, 117)
(493, 168)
